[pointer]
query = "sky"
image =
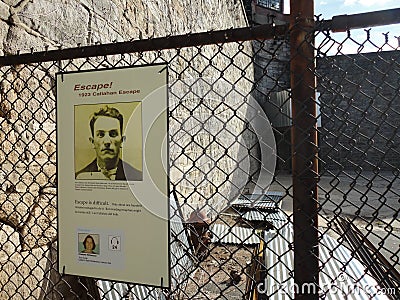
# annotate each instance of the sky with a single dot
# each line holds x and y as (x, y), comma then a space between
(329, 8)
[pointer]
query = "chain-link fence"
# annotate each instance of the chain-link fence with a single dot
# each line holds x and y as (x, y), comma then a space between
(238, 215)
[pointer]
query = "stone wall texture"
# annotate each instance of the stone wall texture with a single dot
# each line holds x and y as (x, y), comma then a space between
(26, 24)
(27, 115)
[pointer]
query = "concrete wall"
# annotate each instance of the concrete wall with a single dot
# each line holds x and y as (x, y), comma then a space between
(272, 78)
(360, 106)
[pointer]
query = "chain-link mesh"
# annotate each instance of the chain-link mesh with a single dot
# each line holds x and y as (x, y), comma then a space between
(231, 237)
(359, 141)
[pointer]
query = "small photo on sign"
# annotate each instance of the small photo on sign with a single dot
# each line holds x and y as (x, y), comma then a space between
(88, 243)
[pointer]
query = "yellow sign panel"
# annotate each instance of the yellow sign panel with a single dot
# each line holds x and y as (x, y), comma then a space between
(112, 174)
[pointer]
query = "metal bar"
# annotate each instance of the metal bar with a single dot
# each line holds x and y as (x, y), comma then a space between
(266, 32)
(390, 268)
(363, 247)
(362, 252)
(359, 250)
(304, 148)
(346, 22)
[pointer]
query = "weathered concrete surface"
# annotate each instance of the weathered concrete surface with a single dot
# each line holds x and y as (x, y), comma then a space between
(40, 226)
(3, 34)
(360, 107)
(56, 19)
(371, 202)
(21, 272)
(68, 23)
(4, 11)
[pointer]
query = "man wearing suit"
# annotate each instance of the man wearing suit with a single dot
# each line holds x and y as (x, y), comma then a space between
(106, 129)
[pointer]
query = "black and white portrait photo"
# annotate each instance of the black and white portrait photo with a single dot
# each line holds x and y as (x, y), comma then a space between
(108, 142)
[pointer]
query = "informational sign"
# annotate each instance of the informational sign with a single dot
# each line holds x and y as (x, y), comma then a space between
(113, 174)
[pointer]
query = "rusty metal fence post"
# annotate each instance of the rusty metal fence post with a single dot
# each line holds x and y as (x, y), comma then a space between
(304, 150)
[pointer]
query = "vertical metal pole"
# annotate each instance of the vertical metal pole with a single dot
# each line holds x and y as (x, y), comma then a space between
(304, 149)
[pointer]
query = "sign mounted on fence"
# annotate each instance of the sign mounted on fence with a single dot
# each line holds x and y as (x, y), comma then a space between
(112, 167)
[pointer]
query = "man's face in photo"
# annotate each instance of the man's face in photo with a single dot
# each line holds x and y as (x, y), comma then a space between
(107, 139)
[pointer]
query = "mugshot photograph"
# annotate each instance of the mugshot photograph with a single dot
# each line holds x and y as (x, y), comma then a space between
(106, 139)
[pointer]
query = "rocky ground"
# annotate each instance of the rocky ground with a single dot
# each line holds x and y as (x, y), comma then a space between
(216, 274)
